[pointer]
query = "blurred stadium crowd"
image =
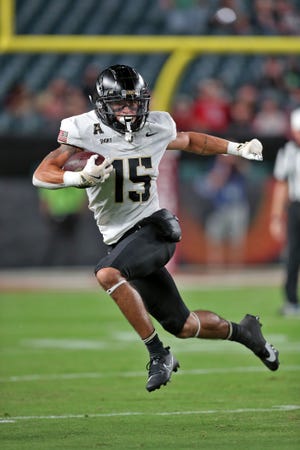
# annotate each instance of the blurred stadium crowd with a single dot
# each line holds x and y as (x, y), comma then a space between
(232, 94)
(259, 107)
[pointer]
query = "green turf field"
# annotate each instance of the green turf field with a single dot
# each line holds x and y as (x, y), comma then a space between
(73, 377)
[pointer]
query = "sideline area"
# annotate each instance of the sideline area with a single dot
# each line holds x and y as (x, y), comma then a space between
(82, 278)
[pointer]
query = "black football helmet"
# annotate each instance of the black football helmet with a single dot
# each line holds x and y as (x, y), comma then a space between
(117, 83)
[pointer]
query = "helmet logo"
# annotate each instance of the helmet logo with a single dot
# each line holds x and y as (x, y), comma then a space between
(125, 92)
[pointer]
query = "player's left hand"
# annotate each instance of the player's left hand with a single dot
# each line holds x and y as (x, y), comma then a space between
(251, 150)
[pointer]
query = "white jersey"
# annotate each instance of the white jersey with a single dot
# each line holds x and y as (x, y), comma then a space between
(130, 193)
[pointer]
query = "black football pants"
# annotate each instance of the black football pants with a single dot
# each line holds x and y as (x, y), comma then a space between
(141, 256)
(293, 253)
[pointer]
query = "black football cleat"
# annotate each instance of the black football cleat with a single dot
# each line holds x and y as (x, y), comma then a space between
(257, 343)
(160, 370)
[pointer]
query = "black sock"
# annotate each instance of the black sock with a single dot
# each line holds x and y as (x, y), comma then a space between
(154, 344)
(239, 334)
(242, 335)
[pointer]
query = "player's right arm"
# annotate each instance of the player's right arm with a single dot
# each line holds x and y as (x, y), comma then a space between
(50, 169)
(50, 174)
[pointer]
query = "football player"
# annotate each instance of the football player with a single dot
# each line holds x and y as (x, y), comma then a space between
(140, 236)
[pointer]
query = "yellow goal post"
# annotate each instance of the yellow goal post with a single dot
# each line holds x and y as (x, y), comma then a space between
(181, 50)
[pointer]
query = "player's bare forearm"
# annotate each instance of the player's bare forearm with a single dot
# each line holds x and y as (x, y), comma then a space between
(50, 169)
(200, 143)
(205, 144)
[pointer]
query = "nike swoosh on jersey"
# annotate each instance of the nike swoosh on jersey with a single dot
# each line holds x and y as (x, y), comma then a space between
(148, 134)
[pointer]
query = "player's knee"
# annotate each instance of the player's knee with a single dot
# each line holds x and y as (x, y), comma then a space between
(108, 277)
(172, 325)
(190, 328)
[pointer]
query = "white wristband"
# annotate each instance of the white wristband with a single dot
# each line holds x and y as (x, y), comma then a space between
(232, 148)
(72, 179)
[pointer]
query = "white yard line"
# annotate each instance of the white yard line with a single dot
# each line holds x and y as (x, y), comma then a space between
(275, 408)
(119, 341)
(70, 376)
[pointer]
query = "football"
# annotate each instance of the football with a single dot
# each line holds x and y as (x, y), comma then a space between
(77, 161)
